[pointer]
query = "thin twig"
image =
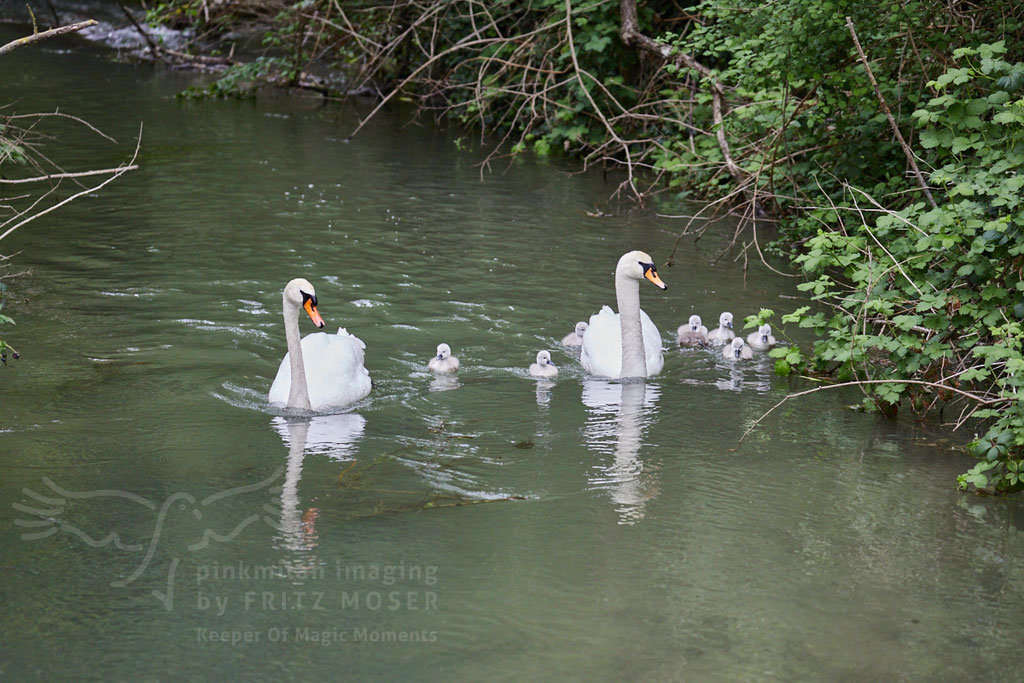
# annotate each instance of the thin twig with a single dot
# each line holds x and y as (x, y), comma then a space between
(124, 169)
(888, 114)
(974, 397)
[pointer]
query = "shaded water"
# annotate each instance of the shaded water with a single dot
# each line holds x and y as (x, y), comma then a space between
(483, 526)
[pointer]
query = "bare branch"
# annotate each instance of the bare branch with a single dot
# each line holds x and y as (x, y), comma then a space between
(121, 171)
(59, 176)
(51, 33)
(888, 114)
(980, 400)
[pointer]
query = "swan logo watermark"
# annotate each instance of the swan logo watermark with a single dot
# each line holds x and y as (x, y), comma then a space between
(51, 513)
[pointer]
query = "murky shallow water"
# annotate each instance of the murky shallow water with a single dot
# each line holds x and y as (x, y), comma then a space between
(488, 526)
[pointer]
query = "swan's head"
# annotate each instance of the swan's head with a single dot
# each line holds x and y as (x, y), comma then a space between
(300, 292)
(639, 265)
(694, 322)
(737, 346)
(581, 327)
(765, 331)
(544, 358)
(725, 320)
(443, 351)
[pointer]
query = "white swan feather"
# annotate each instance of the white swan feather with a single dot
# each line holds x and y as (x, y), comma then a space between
(602, 345)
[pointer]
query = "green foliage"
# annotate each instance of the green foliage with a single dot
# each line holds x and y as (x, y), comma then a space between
(760, 318)
(806, 101)
(11, 151)
(935, 294)
(242, 80)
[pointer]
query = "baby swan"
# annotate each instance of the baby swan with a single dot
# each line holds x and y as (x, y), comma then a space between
(762, 339)
(693, 333)
(737, 350)
(543, 367)
(723, 333)
(444, 363)
(575, 338)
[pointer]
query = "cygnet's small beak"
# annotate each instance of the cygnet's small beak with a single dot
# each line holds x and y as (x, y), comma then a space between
(652, 275)
(729, 324)
(440, 357)
(551, 364)
(314, 314)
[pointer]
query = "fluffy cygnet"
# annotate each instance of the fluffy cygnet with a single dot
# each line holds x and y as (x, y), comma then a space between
(444, 363)
(762, 339)
(693, 333)
(543, 367)
(737, 350)
(723, 334)
(575, 338)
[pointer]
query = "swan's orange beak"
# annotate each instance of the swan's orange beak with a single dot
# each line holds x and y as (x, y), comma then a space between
(652, 275)
(314, 314)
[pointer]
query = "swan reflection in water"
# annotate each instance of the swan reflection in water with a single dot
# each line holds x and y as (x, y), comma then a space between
(335, 436)
(619, 413)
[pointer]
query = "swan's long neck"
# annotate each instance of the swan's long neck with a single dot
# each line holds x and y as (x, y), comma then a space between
(298, 392)
(627, 296)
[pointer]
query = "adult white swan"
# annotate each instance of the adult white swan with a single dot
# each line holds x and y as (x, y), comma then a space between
(627, 343)
(324, 371)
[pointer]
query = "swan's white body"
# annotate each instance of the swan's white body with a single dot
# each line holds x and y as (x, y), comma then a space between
(627, 343)
(762, 339)
(737, 350)
(444, 363)
(543, 367)
(693, 333)
(327, 369)
(575, 338)
(723, 334)
(602, 345)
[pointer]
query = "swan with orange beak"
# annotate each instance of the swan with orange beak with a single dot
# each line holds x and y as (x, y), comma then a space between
(322, 373)
(627, 343)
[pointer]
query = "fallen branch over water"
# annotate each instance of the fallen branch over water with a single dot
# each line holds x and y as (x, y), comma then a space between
(51, 33)
(981, 400)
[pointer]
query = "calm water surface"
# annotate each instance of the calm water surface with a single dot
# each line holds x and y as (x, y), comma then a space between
(488, 526)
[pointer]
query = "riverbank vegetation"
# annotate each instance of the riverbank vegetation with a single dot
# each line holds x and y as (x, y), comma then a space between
(888, 138)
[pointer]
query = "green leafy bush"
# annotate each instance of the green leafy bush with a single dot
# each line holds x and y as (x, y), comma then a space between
(935, 295)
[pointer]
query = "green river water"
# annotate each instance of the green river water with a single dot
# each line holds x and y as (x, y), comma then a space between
(482, 527)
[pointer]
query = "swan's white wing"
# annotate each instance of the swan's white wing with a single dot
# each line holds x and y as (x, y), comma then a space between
(335, 373)
(278, 395)
(601, 354)
(652, 345)
(334, 369)
(602, 347)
